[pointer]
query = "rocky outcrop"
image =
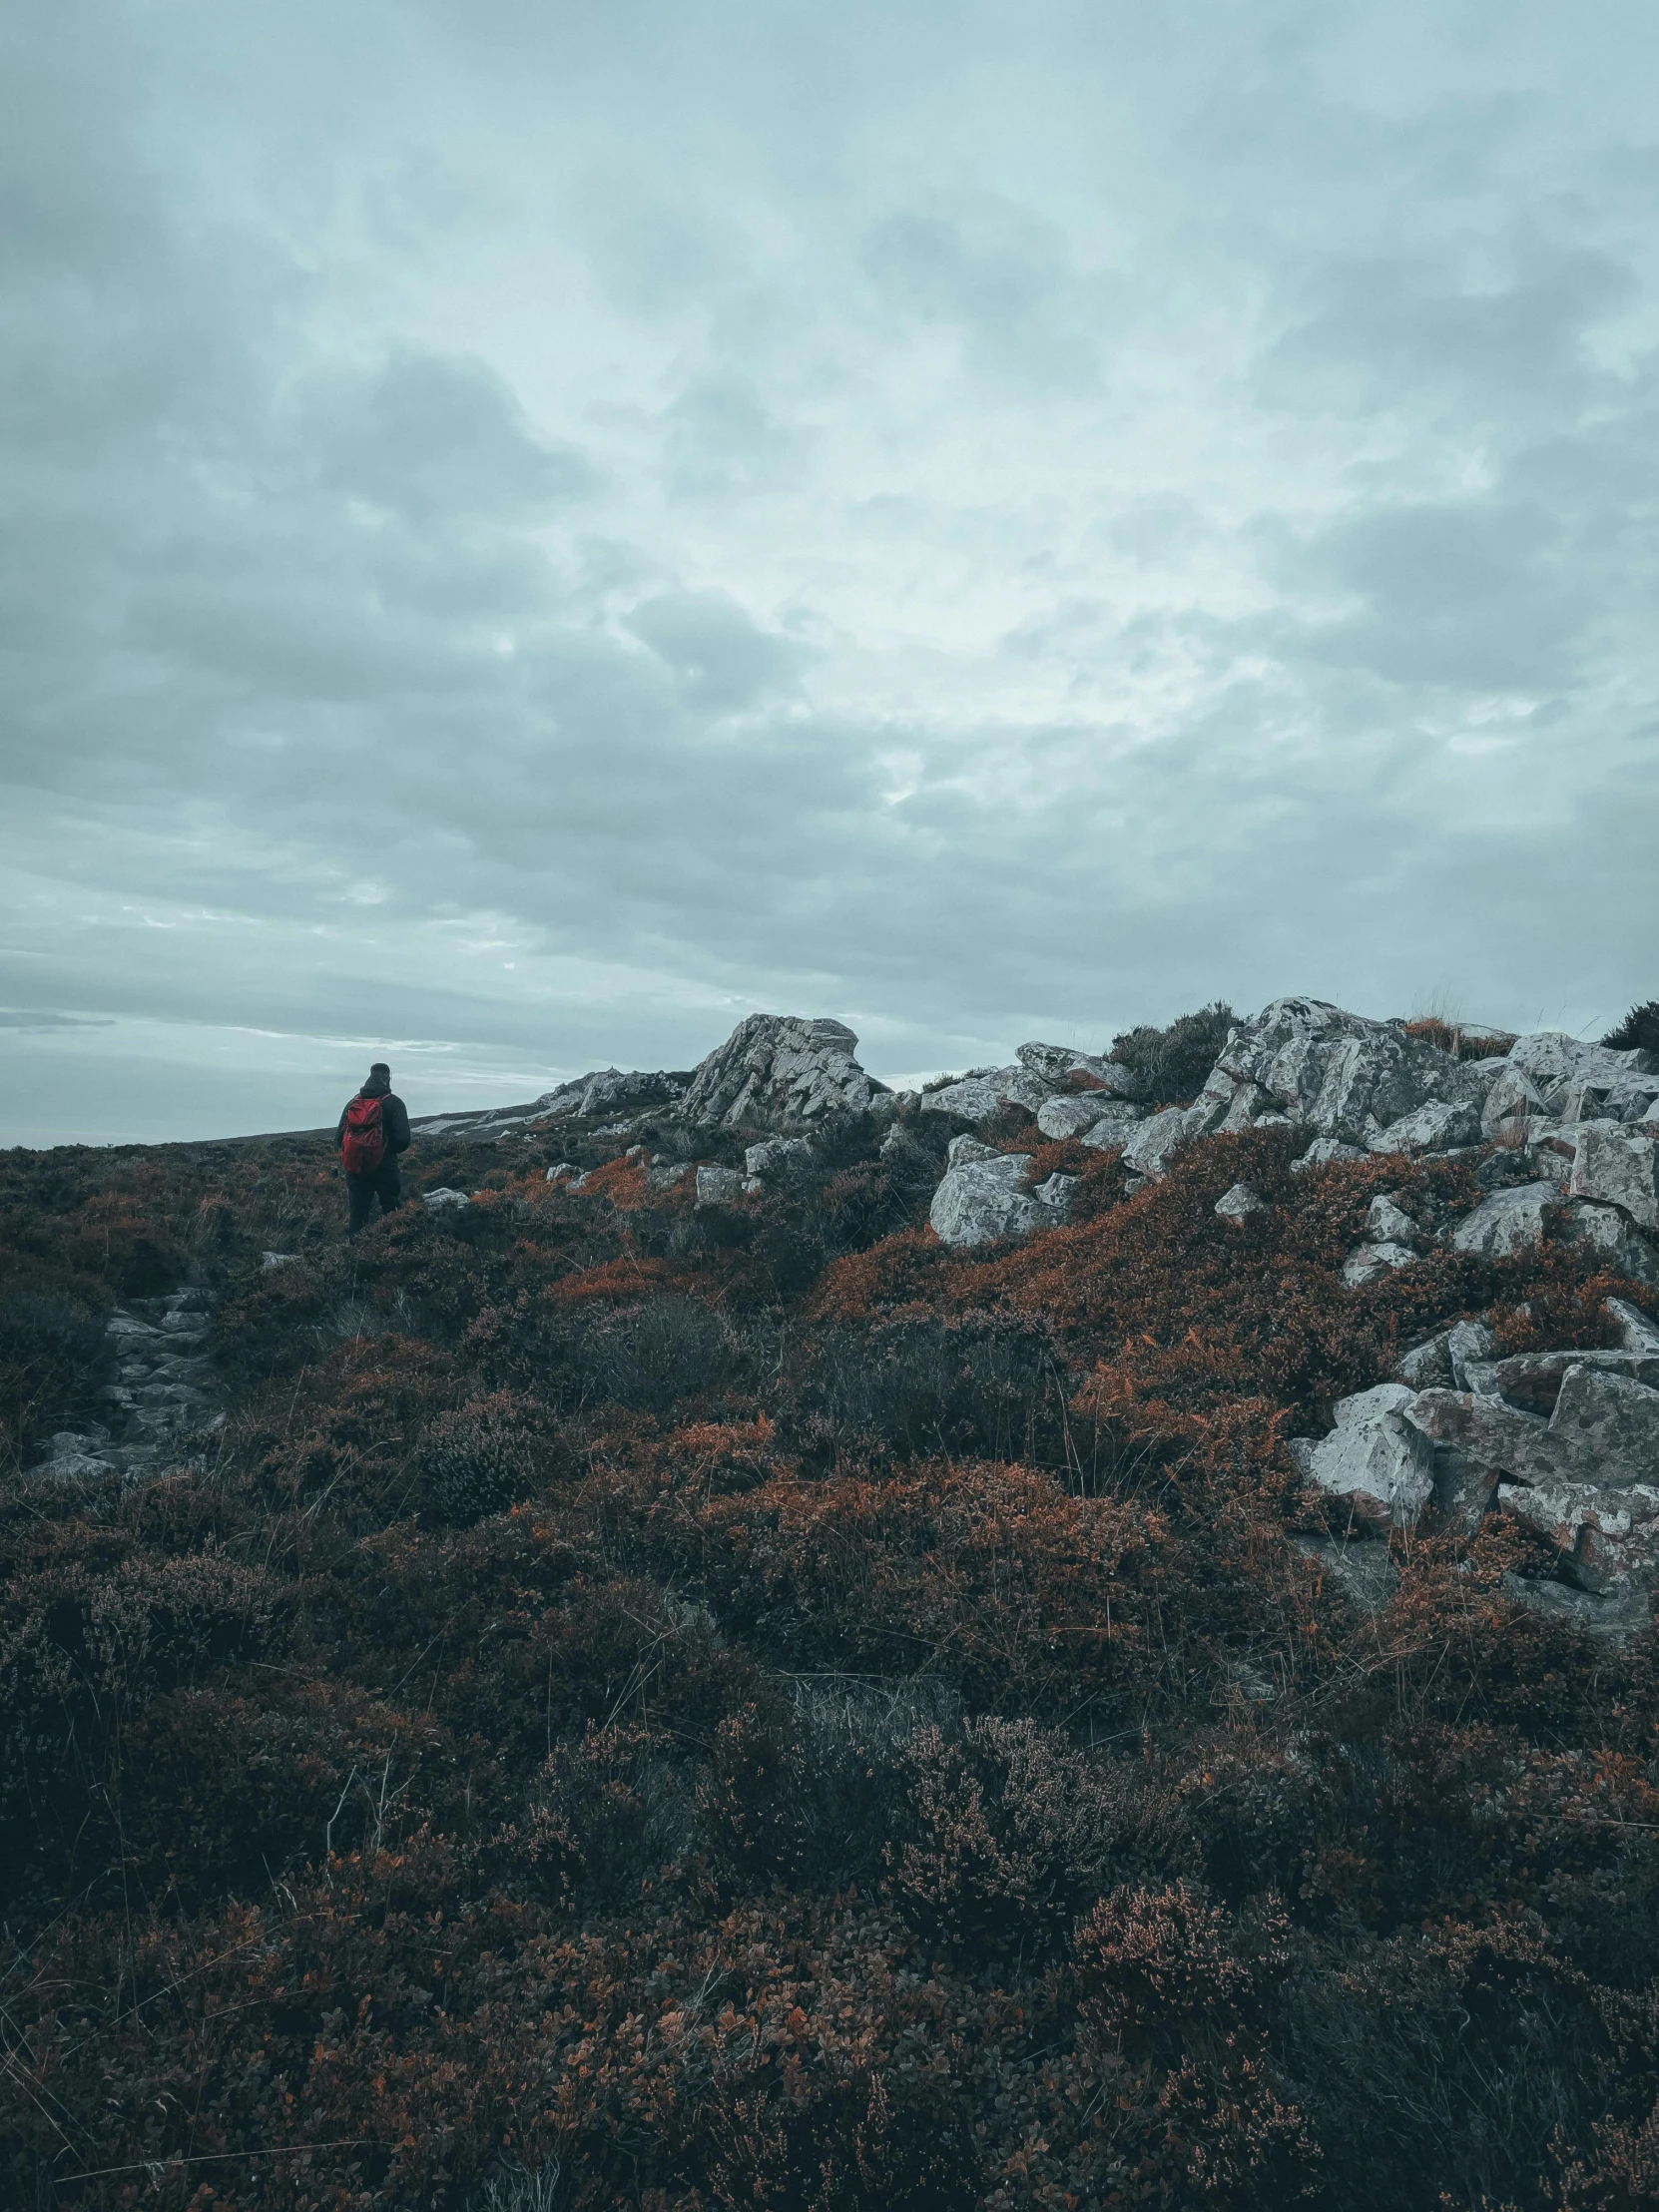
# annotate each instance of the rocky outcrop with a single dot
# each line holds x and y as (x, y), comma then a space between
(1340, 1075)
(1564, 1442)
(981, 1094)
(776, 1068)
(985, 1196)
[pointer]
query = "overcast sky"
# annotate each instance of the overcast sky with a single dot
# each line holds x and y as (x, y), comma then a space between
(534, 530)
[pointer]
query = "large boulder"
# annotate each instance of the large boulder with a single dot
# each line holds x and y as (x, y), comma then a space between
(1441, 1126)
(1608, 1232)
(778, 1068)
(1374, 1456)
(1154, 1143)
(985, 1196)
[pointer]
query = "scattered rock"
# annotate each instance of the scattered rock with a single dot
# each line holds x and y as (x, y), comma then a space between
(1439, 1126)
(1509, 1221)
(1374, 1456)
(1071, 1113)
(1614, 1617)
(445, 1201)
(1387, 1222)
(1343, 1075)
(718, 1185)
(1369, 1262)
(1512, 1097)
(1361, 1567)
(1467, 1342)
(780, 1067)
(663, 1175)
(1237, 1201)
(779, 1156)
(1426, 1367)
(269, 1260)
(1322, 1151)
(1056, 1064)
(564, 1171)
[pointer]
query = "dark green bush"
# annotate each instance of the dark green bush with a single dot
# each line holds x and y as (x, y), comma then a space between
(1639, 1030)
(1170, 1065)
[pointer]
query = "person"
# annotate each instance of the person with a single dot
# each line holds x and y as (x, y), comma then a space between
(373, 1131)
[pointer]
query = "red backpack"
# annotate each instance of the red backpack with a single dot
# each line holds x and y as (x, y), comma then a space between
(363, 1145)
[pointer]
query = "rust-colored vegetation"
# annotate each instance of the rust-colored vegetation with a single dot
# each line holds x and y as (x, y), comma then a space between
(651, 1707)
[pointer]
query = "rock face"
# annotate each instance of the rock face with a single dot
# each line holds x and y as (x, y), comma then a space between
(776, 1068)
(985, 1196)
(1343, 1075)
(1586, 1082)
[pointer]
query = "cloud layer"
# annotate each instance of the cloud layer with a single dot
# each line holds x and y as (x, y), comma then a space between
(536, 531)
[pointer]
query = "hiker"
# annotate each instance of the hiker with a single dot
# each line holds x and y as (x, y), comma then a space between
(373, 1131)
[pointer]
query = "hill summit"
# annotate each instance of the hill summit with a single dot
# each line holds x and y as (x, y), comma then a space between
(1079, 1636)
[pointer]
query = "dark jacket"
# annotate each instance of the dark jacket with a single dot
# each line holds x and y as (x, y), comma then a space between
(394, 1117)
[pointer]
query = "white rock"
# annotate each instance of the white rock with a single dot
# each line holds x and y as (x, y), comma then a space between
(1609, 1233)
(1367, 1262)
(1512, 1097)
(1387, 1222)
(985, 1196)
(1467, 1342)
(778, 1156)
(1636, 1331)
(445, 1201)
(269, 1260)
(962, 1151)
(1113, 1130)
(1507, 1222)
(1623, 1082)
(1055, 1063)
(1441, 1126)
(1322, 1151)
(1056, 1192)
(1156, 1141)
(1237, 1201)
(1374, 1456)
(718, 1185)
(1070, 1113)
(1617, 1170)
(663, 1175)
(1428, 1366)
(983, 1095)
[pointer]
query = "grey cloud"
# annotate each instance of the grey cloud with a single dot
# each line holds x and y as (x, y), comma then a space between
(432, 437)
(999, 275)
(1475, 595)
(725, 660)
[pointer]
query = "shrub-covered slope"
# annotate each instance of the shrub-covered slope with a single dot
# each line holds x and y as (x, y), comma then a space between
(657, 1706)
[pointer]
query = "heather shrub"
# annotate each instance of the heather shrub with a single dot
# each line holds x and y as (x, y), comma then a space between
(1170, 1065)
(648, 1357)
(1010, 1831)
(52, 1355)
(479, 1460)
(986, 1386)
(604, 1813)
(1639, 1030)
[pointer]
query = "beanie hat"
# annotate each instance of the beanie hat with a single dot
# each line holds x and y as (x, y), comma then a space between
(380, 1067)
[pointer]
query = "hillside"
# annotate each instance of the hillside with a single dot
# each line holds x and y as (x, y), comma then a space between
(1081, 1638)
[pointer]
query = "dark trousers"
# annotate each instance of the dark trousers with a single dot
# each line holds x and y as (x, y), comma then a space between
(383, 1183)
